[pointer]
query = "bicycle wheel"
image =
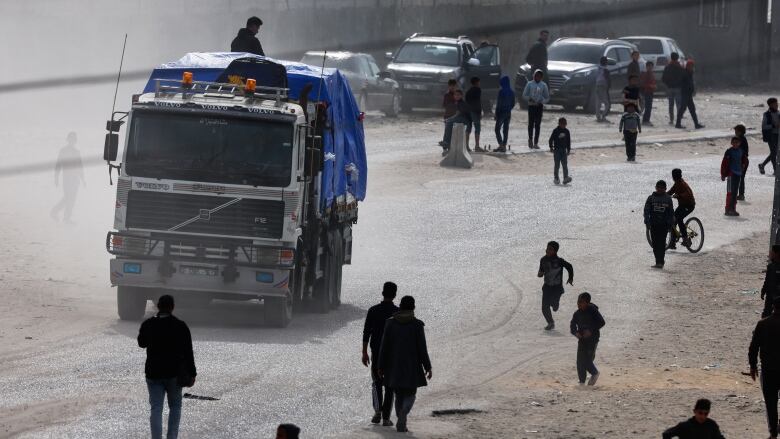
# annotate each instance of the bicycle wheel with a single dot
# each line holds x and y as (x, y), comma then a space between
(695, 234)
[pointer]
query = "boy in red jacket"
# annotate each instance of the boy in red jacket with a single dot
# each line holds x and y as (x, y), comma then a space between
(731, 169)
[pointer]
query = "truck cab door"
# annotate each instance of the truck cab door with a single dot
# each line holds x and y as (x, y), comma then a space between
(485, 63)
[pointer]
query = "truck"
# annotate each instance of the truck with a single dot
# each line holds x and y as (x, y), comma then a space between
(240, 179)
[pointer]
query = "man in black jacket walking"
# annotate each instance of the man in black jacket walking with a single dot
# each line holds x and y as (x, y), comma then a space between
(246, 41)
(404, 363)
(170, 364)
(764, 344)
(586, 324)
(373, 331)
(659, 219)
(687, 92)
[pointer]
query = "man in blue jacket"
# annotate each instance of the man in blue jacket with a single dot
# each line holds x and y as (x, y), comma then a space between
(504, 105)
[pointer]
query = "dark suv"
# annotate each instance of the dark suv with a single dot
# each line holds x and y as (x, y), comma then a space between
(571, 67)
(423, 65)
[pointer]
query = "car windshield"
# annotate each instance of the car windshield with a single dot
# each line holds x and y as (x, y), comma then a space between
(345, 64)
(428, 53)
(647, 45)
(582, 53)
(210, 148)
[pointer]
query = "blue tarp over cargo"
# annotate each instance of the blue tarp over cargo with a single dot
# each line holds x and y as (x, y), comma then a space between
(344, 147)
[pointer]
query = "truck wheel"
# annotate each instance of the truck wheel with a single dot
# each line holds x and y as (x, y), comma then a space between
(278, 311)
(131, 303)
(338, 266)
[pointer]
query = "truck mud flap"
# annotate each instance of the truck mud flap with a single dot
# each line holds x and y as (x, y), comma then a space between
(347, 237)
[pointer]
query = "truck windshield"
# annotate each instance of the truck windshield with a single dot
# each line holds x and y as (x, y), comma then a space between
(210, 148)
(582, 53)
(428, 53)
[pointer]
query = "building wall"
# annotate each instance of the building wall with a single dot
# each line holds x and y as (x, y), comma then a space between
(85, 36)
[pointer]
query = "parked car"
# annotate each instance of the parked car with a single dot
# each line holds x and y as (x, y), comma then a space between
(373, 89)
(423, 65)
(658, 50)
(571, 71)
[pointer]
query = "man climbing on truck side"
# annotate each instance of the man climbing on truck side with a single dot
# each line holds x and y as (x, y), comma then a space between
(246, 41)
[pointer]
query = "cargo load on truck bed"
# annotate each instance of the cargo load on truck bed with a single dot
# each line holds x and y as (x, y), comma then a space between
(344, 175)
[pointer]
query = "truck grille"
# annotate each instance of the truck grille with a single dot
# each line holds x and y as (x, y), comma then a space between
(556, 82)
(164, 211)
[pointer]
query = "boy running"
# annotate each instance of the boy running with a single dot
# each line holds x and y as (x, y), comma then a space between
(586, 324)
(560, 145)
(630, 126)
(551, 268)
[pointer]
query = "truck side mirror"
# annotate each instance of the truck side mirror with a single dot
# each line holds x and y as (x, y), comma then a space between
(314, 160)
(111, 147)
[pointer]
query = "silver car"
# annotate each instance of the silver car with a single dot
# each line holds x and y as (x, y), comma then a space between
(658, 50)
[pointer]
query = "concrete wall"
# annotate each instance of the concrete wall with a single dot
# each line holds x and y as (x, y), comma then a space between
(85, 36)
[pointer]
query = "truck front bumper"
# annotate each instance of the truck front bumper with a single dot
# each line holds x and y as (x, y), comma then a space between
(202, 277)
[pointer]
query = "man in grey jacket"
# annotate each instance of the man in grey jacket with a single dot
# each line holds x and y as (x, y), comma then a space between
(404, 363)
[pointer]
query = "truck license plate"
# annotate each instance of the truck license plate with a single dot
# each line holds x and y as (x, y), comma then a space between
(198, 271)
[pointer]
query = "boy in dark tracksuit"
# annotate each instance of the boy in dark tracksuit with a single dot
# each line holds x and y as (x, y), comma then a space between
(551, 268)
(739, 131)
(560, 145)
(659, 218)
(731, 169)
(771, 288)
(700, 426)
(586, 324)
(630, 126)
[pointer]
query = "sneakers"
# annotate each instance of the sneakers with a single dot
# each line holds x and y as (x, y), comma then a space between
(442, 144)
(549, 327)
(731, 213)
(631, 159)
(387, 423)
(761, 168)
(671, 122)
(698, 126)
(478, 149)
(376, 418)
(673, 246)
(687, 242)
(658, 266)
(500, 149)
(557, 180)
(682, 127)
(530, 143)
(648, 124)
(566, 180)
(536, 146)
(593, 379)
(741, 198)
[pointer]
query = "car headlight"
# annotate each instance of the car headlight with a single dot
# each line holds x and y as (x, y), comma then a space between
(584, 73)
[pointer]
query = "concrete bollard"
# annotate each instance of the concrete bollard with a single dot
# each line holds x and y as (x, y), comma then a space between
(458, 156)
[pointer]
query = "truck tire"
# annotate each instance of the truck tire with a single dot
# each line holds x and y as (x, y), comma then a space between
(278, 311)
(338, 266)
(131, 303)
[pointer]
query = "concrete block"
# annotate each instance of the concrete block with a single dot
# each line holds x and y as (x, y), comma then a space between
(458, 157)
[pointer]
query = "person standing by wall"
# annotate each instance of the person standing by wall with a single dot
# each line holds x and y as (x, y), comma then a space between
(647, 86)
(70, 166)
(246, 40)
(687, 92)
(770, 131)
(505, 102)
(764, 344)
(673, 78)
(659, 218)
(404, 362)
(586, 324)
(537, 55)
(373, 330)
(170, 364)
(536, 93)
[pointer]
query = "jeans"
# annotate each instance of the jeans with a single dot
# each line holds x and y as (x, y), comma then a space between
(586, 354)
(658, 235)
(551, 298)
(648, 110)
(770, 386)
(674, 95)
(772, 157)
(404, 400)
(732, 189)
(687, 103)
(679, 215)
(630, 138)
(602, 97)
(458, 118)
(158, 388)
(561, 159)
(502, 128)
(381, 405)
(535, 122)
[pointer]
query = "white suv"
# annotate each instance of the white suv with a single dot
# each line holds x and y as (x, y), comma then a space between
(658, 50)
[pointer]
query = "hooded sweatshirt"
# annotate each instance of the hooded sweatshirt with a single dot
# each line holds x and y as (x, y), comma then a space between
(506, 97)
(589, 319)
(246, 42)
(659, 210)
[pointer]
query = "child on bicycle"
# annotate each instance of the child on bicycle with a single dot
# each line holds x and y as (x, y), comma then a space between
(685, 205)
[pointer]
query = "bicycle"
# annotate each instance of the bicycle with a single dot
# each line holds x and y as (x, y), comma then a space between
(695, 234)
